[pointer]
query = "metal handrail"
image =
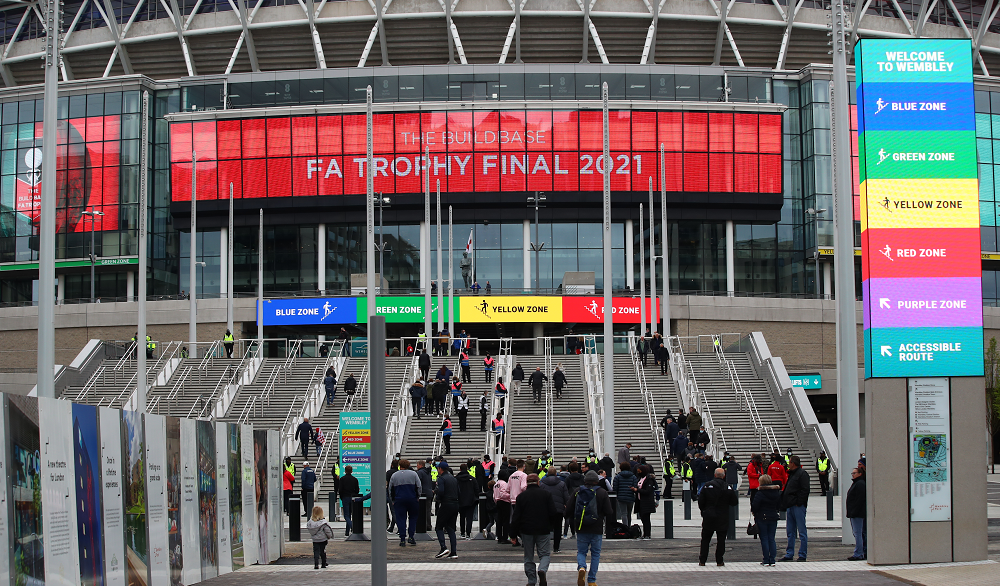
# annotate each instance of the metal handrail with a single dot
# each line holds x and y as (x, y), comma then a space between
(91, 383)
(502, 372)
(351, 402)
(249, 356)
(208, 360)
(247, 410)
(286, 432)
(293, 354)
(399, 409)
(128, 356)
(178, 385)
(595, 391)
(550, 443)
(650, 404)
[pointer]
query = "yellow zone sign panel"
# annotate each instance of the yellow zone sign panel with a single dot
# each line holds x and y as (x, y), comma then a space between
(511, 309)
(920, 203)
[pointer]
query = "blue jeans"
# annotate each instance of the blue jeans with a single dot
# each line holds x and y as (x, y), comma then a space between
(795, 521)
(348, 509)
(859, 526)
(404, 508)
(591, 541)
(766, 531)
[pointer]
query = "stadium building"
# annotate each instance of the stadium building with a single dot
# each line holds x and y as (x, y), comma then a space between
(724, 106)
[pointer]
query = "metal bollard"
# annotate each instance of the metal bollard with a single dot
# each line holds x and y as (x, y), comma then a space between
(829, 505)
(484, 519)
(423, 520)
(686, 494)
(331, 498)
(294, 521)
(668, 519)
(731, 532)
(358, 522)
(611, 523)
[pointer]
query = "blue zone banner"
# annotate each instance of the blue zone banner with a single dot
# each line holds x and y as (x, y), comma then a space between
(323, 310)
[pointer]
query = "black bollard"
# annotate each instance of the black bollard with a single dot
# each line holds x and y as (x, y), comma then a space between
(331, 498)
(610, 523)
(358, 521)
(668, 519)
(829, 505)
(686, 494)
(423, 522)
(294, 521)
(731, 532)
(484, 519)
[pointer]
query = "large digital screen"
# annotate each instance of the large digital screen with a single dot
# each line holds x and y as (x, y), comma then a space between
(921, 272)
(476, 151)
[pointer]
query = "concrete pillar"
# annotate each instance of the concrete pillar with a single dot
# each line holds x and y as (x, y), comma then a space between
(529, 275)
(425, 264)
(321, 258)
(827, 280)
(224, 262)
(60, 289)
(629, 256)
(538, 333)
(130, 285)
(730, 259)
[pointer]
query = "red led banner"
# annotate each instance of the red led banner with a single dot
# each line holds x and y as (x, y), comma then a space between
(481, 151)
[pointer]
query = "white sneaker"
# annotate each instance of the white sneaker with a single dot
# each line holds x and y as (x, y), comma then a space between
(444, 552)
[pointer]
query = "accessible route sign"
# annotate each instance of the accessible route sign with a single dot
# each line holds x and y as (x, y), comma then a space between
(468, 309)
(921, 272)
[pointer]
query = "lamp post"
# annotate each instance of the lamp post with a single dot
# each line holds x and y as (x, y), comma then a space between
(536, 201)
(381, 202)
(93, 256)
(815, 215)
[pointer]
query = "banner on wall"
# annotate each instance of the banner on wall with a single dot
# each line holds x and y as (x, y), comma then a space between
(156, 499)
(62, 556)
(87, 465)
(260, 475)
(134, 474)
(275, 525)
(233, 431)
(112, 497)
(189, 503)
(28, 536)
(175, 496)
(251, 541)
(356, 446)
(207, 509)
(511, 309)
(5, 508)
(224, 540)
(921, 268)
(930, 449)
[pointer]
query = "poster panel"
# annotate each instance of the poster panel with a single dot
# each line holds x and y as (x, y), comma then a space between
(356, 446)
(930, 449)
(207, 510)
(223, 539)
(134, 476)
(274, 495)
(251, 544)
(87, 468)
(5, 510)
(235, 494)
(156, 494)
(261, 493)
(189, 502)
(62, 556)
(112, 496)
(174, 495)
(27, 557)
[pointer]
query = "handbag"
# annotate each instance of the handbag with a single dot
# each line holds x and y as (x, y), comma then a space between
(752, 529)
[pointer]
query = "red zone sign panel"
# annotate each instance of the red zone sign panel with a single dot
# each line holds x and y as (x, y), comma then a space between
(481, 151)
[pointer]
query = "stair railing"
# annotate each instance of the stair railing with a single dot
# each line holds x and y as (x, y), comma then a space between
(550, 443)
(687, 382)
(595, 391)
(90, 384)
(227, 380)
(178, 387)
(332, 444)
(765, 434)
(647, 398)
(503, 371)
(399, 408)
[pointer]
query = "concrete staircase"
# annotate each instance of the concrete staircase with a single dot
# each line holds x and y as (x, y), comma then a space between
(526, 420)
(741, 438)
(631, 418)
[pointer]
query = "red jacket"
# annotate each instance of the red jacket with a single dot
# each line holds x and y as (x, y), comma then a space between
(777, 473)
(753, 474)
(287, 480)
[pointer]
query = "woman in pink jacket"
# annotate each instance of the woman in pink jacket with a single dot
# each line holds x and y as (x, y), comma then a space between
(501, 496)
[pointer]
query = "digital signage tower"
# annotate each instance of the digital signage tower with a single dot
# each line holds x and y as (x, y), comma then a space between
(923, 317)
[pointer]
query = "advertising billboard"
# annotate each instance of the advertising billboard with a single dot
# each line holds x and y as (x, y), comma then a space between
(481, 151)
(921, 271)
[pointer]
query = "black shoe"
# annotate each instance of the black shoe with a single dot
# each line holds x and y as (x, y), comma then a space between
(411, 541)
(453, 556)
(720, 563)
(444, 552)
(402, 543)
(541, 579)
(323, 566)
(801, 560)
(315, 567)
(701, 563)
(785, 559)
(854, 559)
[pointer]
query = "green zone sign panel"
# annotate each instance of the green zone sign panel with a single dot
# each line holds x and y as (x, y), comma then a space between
(403, 309)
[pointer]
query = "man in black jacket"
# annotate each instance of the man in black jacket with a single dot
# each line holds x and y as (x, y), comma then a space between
(714, 501)
(349, 489)
(446, 493)
(424, 362)
(533, 521)
(302, 433)
(589, 524)
(536, 380)
(794, 500)
(857, 512)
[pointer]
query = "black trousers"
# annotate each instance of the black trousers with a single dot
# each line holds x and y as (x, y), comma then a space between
(466, 374)
(447, 444)
(319, 553)
(465, 515)
(719, 529)
(229, 350)
(642, 356)
(463, 414)
(415, 401)
(288, 494)
(503, 520)
(824, 483)
(646, 523)
(536, 394)
(556, 533)
(305, 503)
(482, 420)
(663, 366)
(669, 482)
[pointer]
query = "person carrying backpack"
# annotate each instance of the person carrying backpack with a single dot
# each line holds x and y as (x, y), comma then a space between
(587, 510)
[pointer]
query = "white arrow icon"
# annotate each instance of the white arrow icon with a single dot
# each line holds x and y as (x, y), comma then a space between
(886, 350)
(883, 302)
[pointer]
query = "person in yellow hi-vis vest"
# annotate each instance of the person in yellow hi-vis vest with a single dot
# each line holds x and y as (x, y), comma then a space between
(823, 471)
(228, 341)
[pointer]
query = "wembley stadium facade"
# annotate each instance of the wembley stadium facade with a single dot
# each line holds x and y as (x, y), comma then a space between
(723, 106)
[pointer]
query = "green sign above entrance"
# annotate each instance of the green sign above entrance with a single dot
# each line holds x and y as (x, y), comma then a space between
(807, 381)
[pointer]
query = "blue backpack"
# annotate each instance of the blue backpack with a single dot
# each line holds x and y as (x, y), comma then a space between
(586, 506)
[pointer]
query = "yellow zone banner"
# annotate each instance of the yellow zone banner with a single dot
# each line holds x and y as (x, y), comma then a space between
(511, 309)
(356, 432)
(919, 203)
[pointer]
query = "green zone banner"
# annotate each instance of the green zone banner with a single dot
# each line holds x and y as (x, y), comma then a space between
(404, 309)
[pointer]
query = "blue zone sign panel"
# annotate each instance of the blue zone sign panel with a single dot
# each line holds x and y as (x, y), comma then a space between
(311, 311)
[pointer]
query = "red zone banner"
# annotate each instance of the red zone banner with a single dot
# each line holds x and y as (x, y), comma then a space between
(591, 309)
(482, 151)
(87, 173)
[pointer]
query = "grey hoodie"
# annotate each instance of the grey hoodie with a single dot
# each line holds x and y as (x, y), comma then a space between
(320, 531)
